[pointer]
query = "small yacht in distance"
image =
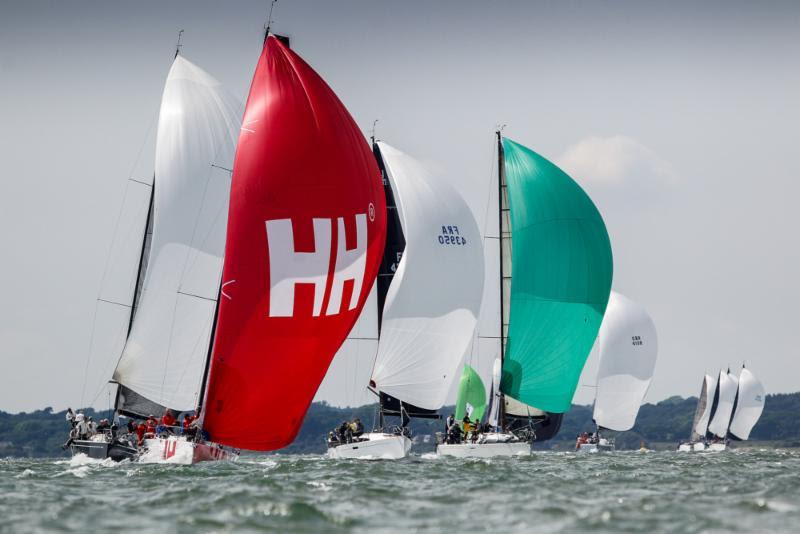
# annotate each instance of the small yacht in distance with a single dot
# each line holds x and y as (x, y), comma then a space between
(627, 347)
(727, 410)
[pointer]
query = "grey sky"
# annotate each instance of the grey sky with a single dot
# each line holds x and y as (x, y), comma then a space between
(679, 120)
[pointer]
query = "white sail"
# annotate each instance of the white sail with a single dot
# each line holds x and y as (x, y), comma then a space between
(164, 356)
(628, 346)
(749, 405)
(727, 394)
(519, 409)
(434, 299)
(704, 404)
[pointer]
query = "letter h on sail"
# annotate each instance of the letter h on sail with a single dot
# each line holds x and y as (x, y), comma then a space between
(289, 268)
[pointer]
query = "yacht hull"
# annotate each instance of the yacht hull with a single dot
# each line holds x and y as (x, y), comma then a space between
(179, 450)
(100, 450)
(484, 450)
(376, 446)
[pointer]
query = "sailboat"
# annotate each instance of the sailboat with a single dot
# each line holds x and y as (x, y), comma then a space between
(729, 413)
(428, 299)
(173, 295)
(543, 304)
(301, 253)
(627, 347)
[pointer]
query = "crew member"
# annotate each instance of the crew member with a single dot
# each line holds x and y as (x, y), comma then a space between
(82, 426)
(150, 427)
(449, 422)
(358, 428)
(70, 417)
(167, 422)
(141, 431)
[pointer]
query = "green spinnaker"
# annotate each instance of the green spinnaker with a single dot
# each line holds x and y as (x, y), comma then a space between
(560, 281)
(470, 391)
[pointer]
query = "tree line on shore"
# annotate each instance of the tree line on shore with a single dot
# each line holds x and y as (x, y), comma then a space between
(42, 432)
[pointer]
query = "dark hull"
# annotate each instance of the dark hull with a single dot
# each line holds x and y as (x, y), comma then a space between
(100, 450)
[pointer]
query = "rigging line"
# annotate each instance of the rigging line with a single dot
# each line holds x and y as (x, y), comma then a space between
(115, 303)
(89, 354)
(121, 332)
(196, 296)
(140, 182)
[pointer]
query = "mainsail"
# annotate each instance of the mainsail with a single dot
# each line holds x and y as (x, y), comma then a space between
(703, 411)
(749, 405)
(306, 230)
(628, 346)
(427, 325)
(722, 408)
(164, 356)
(562, 270)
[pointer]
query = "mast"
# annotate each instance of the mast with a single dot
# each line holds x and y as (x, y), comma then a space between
(500, 210)
(207, 368)
(147, 227)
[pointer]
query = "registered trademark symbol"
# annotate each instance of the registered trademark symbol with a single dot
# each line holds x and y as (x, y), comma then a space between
(371, 211)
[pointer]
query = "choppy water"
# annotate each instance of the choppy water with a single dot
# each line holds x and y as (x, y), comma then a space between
(757, 490)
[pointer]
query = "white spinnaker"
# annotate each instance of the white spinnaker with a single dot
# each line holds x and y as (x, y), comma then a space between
(707, 398)
(434, 299)
(164, 356)
(722, 416)
(628, 346)
(749, 405)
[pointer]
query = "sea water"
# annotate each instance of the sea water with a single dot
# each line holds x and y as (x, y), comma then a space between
(756, 490)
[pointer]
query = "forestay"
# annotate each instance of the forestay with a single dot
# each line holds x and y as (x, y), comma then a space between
(306, 229)
(434, 299)
(562, 270)
(628, 346)
(749, 405)
(165, 354)
(726, 393)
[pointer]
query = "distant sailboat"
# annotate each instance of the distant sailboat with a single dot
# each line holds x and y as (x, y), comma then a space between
(428, 300)
(544, 301)
(702, 415)
(628, 347)
(730, 413)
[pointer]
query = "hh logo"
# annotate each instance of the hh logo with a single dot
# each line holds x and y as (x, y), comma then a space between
(287, 267)
(169, 448)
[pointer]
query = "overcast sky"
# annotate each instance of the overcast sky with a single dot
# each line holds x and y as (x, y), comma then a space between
(681, 121)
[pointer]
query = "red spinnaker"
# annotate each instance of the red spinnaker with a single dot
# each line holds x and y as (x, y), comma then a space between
(306, 230)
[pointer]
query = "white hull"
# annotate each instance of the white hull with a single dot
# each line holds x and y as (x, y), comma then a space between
(484, 450)
(179, 450)
(595, 447)
(377, 446)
